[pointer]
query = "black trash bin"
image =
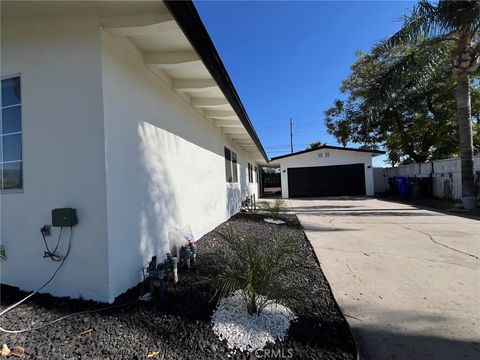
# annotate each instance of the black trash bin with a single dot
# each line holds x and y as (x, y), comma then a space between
(426, 187)
(415, 187)
(392, 185)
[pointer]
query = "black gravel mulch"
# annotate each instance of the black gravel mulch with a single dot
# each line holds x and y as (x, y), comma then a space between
(178, 327)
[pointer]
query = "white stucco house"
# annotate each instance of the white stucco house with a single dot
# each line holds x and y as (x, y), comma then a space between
(327, 171)
(124, 111)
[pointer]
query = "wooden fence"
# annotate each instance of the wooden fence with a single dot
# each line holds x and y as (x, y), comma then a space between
(446, 176)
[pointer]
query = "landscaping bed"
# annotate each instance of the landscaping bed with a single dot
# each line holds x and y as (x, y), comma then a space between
(179, 327)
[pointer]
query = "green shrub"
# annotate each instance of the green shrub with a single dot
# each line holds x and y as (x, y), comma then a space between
(259, 268)
(273, 208)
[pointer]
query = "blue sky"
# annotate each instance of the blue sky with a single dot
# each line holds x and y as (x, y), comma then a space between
(287, 59)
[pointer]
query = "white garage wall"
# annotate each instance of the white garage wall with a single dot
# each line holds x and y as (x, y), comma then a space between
(58, 58)
(165, 166)
(337, 157)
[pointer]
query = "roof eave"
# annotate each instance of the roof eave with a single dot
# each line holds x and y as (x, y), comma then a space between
(188, 19)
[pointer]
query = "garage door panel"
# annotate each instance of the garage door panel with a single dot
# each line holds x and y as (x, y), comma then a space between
(338, 180)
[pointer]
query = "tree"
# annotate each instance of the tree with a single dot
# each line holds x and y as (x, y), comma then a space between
(315, 145)
(414, 121)
(429, 26)
(268, 170)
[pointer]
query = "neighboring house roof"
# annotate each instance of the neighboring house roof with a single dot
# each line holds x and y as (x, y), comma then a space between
(374, 152)
(189, 21)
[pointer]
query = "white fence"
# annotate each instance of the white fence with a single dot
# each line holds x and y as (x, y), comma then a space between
(446, 176)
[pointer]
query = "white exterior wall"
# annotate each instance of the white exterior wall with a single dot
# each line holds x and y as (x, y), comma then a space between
(337, 157)
(63, 153)
(103, 134)
(165, 166)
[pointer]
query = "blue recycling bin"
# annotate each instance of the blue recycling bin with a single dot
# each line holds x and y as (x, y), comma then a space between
(403, 186)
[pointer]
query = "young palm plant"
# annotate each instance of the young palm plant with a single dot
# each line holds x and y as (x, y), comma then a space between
(258, 267)
(429, 27)
(273, 208)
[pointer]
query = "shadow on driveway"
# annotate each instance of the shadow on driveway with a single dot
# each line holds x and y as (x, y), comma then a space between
(414, 346)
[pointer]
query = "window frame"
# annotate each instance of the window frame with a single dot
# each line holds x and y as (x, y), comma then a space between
(250, 172)
(234, 166)
(232, 162)
(21, 161)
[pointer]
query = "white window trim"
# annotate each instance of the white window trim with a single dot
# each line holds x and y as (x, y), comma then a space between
(231, 165)
(250, 173)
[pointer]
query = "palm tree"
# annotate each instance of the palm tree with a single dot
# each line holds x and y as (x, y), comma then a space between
(315, 145)
(432, 25)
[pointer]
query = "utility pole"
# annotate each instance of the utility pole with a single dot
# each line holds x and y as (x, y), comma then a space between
(291, 136)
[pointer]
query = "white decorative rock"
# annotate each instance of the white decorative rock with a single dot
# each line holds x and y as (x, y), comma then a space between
(232, 322)
(271, 221)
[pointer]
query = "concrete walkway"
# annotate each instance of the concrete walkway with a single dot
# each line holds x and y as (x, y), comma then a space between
(408, 280)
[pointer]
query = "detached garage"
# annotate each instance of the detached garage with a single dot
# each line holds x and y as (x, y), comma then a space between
(327, 171)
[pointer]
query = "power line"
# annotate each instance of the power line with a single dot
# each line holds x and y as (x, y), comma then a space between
(283, 146)
(287, 149)
(317, 116)
(278, 128)
(277, 124)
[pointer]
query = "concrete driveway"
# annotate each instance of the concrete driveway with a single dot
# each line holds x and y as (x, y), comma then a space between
(407, 279)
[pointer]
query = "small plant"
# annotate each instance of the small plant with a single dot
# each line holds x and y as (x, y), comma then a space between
(258, 267)
(273, 208)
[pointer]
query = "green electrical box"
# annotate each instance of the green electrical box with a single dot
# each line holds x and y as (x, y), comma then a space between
(64, 217)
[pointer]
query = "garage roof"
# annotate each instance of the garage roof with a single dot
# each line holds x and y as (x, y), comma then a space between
(373, 152)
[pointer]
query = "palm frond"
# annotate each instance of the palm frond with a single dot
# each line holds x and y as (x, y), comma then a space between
(441, 22)
(227, 282)
(257, 267)
(273, 208)
(416, 67)
(421, 23)
(463, 16)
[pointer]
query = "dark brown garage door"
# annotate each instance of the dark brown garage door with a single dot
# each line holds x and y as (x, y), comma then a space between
(338, 180)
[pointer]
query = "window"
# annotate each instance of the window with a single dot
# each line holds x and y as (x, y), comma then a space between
(231, 166)
(11, 135)
(250, 173)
